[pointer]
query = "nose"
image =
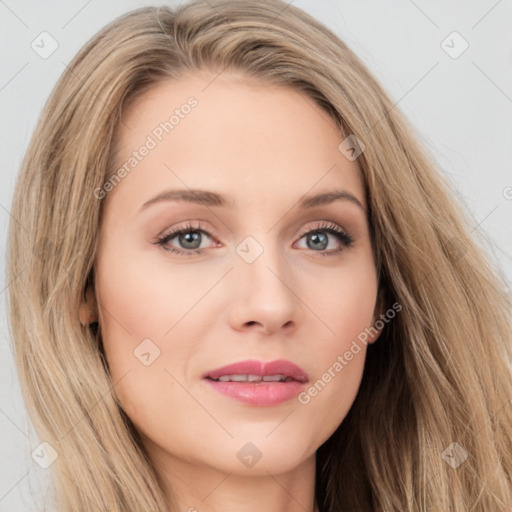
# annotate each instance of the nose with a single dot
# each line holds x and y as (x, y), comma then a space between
(263, 297)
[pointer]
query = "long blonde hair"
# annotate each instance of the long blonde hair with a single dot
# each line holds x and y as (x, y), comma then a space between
(439, 374)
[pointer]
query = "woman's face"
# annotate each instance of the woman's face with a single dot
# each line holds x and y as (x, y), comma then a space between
(244, 281)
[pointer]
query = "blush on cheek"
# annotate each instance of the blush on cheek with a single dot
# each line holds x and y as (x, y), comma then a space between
(354, 318)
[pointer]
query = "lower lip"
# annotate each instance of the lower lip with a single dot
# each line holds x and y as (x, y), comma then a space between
(261, 394)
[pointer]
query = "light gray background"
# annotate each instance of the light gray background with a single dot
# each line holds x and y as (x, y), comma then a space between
(462, 109)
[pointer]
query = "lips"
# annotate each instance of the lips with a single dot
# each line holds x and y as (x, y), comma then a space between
(257, 383)
(252, 367)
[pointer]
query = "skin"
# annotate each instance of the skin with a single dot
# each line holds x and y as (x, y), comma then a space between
(263, 147)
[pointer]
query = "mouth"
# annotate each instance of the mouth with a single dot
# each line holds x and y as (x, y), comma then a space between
(258, 383)
(253, 378)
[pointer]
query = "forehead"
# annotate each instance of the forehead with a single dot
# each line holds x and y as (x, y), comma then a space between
(233, 133)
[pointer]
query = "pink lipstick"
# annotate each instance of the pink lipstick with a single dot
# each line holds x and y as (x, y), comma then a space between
(258, 383)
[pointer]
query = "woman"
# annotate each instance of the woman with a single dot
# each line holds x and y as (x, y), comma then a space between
(242, 283)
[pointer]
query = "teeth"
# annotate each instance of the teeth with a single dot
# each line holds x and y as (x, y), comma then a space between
(270, 378)
(254, 378)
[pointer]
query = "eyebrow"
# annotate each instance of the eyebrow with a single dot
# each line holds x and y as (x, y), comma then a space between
(209, 198)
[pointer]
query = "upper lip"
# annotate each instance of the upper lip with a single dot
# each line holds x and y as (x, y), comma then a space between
(261, 368)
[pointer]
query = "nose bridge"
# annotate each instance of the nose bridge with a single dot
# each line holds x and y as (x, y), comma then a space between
(263, 291)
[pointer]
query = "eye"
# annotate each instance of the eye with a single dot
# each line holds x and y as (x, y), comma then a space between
(318, 238)
(189, 236)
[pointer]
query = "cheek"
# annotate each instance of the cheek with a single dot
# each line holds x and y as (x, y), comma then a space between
(144, 295)
(347, 309)
(142, 309)
(346, 304)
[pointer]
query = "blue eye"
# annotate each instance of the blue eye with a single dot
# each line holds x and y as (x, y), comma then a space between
(317, 237)
(187, 235)
(190, 238)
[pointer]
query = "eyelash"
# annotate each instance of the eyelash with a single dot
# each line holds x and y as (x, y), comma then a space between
(328, 227)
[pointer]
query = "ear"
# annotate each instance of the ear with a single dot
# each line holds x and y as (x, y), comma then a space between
(88, 310)
(377, 322)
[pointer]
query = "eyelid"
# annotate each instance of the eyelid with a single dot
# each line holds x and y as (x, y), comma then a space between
(188, 226)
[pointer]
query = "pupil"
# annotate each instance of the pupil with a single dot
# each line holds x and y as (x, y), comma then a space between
(315, 237)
